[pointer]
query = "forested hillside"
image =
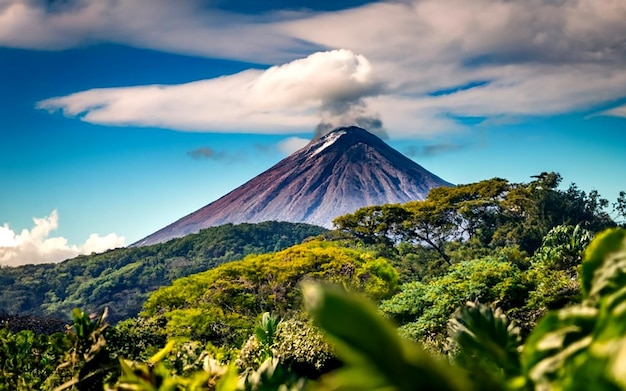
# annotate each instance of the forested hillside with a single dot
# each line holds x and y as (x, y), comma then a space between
(122, 279)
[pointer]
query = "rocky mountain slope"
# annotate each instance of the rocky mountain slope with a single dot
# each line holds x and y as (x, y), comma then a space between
(344, 170)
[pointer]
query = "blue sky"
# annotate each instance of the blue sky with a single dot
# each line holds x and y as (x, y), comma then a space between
(119, 117)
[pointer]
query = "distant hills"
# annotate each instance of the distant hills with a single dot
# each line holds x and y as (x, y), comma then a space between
(344, 170)
(123, 278)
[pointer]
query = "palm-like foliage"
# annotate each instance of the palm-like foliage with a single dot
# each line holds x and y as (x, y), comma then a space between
(483, 340)
(265, 332)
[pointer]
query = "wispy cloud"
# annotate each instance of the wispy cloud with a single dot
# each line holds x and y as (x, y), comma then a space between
(36, 246)
(291, 145)
(183, 26)
(209, 154)
(493, 59)
(433, 149)
(619, 111)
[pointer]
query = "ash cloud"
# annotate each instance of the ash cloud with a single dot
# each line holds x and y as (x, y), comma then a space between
(325, 87)
(373, 124)
(207, 153)
(353, 113)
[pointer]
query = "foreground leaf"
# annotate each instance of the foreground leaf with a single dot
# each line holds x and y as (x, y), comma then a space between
(375, 357)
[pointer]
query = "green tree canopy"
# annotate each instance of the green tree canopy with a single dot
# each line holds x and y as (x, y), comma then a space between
(221, 305)
(492, 213)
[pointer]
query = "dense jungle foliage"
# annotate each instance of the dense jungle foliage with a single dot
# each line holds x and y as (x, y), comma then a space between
(489, 286)
(122, 279)
(350, 346)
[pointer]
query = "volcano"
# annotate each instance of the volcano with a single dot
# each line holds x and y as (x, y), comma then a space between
(346, 169)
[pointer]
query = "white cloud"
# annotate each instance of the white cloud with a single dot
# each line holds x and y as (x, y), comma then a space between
(183, 26)
(619, 111)
(409, 63)
(292, 144)
(538, 57)
(36, 246)
(280, 99)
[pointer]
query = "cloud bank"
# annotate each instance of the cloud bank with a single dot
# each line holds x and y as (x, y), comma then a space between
(418, 67)
(280, 99)
(182, 26)
(36, 246)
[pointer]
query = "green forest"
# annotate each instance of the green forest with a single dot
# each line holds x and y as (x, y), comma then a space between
(485, 286)
(122, 279)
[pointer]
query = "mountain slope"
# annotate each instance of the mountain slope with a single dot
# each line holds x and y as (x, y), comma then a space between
(346, 169)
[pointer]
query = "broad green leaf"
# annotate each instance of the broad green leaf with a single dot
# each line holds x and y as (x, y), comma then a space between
(604, 266)
(486, 339)
(371, 348)
(161, 354)
(604, 362)
(557, 338)
(229, 381)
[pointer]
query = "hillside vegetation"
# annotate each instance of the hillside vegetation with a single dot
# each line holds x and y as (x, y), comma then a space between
(222, 304)
(122, 279)
(491, 286)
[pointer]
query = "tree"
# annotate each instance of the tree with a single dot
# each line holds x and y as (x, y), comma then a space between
(533, 209)
(383, 224)
(456, 214)
(619, 207)
(447, 214)
(491, 213)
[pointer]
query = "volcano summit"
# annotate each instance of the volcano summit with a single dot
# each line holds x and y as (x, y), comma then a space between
(344, 170)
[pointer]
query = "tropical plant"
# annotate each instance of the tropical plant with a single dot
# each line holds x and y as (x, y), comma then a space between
(375, 357)
(574, 348)
(484, 342)
(87, 360)
(570, 349)
(563, 247)
(27, 359)
(154, 375)
(422, 309)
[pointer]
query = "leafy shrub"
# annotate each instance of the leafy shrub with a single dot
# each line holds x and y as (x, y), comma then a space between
(562, 248)
(27, 360)
(136, 338)
(423, 309)
(303, 348)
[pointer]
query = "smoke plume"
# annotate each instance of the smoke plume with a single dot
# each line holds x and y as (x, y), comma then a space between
(349, 113)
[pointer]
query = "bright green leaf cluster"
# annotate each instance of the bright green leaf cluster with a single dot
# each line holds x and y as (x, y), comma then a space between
(423, 309)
